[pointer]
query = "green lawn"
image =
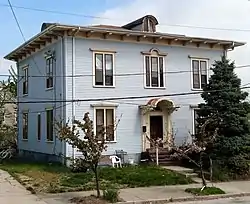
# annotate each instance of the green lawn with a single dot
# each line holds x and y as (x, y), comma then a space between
(206, 191)
(52, 178)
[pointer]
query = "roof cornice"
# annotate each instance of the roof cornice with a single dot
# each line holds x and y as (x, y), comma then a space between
(54, 31)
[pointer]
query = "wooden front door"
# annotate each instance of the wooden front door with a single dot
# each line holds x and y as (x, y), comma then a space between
(156, 127)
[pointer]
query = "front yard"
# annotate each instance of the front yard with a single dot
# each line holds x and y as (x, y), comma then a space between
(54, 178)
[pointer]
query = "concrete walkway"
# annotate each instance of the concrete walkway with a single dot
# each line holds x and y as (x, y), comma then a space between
(12, 192)
(152, 193)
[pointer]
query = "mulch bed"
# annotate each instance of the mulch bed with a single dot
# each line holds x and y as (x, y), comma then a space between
(88, 200)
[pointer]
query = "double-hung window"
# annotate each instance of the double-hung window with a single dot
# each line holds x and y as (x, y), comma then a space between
(195, 116)
(25, 126)
(104, 124)
(104, 69)
(39, 127)
(50, 64)
(154, 68)
(200, 73)
(49, 124)
(25, 80)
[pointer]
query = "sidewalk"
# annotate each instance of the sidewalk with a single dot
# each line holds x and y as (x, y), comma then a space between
(12, 192)
(155, 193)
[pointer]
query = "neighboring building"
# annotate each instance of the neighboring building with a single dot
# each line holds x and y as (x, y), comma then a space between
(111, 62)
(8, 110)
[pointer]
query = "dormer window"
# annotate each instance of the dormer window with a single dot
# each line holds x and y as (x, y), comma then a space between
(154, 68)
(145, 24)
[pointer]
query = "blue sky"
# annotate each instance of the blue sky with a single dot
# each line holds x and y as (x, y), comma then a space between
(31, 21)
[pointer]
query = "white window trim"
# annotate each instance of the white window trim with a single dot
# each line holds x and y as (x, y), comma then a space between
(192, 80)
(49, 141)
(145, 73)
(93, 69)
(25, 112)
(24, 68)
(52, 87)
(114, 112)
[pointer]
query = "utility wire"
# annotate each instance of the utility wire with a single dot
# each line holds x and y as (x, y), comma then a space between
(20, 30)
(122, 74)
(122, 98)
(55, 108)
(117, 19)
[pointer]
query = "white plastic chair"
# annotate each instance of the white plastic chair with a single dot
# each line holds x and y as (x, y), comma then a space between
(116, 161)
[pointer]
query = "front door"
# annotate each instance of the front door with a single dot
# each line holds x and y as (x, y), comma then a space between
(156, 127)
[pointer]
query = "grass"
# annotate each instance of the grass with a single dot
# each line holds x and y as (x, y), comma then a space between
(55, 178)
(206, 191)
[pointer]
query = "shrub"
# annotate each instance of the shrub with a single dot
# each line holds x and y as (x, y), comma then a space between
(79, 165)
(111, 195)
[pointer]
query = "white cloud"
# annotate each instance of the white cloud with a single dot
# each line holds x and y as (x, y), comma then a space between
(234, 14)
(5, 66)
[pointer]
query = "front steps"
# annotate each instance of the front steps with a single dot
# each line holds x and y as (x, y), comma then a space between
(186, 171)
(163, 157)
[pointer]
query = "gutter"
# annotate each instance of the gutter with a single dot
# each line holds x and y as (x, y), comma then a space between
(47, 30)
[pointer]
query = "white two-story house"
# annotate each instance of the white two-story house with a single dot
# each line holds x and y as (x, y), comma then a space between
(147, 80)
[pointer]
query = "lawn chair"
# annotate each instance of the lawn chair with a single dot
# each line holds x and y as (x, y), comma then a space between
(116, 161)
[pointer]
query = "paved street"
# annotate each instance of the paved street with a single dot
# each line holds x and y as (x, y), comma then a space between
(243, 200)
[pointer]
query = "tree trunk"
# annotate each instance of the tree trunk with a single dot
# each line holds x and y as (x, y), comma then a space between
(211, 169)
(204, 183)
(97, 181)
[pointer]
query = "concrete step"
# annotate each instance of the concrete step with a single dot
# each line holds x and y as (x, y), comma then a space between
(161, 156)
(191, 175)
(180, 169)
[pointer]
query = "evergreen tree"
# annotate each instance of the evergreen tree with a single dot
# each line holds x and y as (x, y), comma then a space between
(226, 107)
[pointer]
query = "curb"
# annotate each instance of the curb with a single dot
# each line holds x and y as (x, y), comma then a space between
(186, 199)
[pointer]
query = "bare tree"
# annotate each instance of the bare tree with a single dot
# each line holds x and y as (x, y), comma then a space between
(91, 146)
(198, 146)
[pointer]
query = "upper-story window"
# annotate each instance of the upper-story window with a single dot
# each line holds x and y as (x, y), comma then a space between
(49, 72)
(25, 80)
(154, 69)
(103, 69)
(200, 73)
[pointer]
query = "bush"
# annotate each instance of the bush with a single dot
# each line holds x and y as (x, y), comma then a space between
(79, 165)
(220, 174)
(111, 195)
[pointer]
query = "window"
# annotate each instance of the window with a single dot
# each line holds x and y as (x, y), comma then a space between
(195, 116)
(49, 125)
(154, 66)
(104, 69)
(39, 126)
(199, 70)
(49, 72)
(25, 80)
(105, 124)
(25, 126)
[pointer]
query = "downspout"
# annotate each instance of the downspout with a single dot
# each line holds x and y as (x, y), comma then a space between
(63, 68)
(18, 115)
(73, 82)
